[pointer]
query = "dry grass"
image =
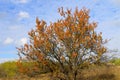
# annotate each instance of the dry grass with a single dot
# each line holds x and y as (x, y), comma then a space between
(94, 73)
(98, 73)
(23, 77)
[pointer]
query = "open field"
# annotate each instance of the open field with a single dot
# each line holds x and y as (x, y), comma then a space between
(94, 73)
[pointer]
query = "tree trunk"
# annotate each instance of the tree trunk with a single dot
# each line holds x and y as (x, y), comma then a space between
(75, 75)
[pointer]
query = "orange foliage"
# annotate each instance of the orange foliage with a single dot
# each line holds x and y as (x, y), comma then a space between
(74, 54)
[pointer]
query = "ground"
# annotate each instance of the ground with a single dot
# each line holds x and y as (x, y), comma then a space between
(94, 73)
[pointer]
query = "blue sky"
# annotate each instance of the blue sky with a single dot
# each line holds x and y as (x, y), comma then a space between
(17, 17)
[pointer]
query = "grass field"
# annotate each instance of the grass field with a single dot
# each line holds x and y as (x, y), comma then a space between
(94, 73)
(8, 71)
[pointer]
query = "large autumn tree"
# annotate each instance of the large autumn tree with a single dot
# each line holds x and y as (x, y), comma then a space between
(67, 45)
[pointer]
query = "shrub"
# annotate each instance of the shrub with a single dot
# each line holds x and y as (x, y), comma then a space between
(2, 72)
(31, 69)
(8, 69)
(115, 61)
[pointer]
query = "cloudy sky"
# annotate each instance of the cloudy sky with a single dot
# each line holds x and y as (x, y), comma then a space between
(17, 17)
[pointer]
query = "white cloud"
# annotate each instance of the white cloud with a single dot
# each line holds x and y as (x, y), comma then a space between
(23, 1)
(116, 2)
(16, 27)
(2, 60)
(111, 23)
(21, 42)
(8, 41)
(23, 14)
(20, 1)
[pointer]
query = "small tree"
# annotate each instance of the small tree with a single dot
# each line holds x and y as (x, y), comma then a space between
(65, 46)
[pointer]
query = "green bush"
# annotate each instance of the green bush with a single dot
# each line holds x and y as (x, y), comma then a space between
(31, 69)
(115, 61)
(2, 72)
(8, 69)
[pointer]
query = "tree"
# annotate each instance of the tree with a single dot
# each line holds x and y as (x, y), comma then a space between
(67, 45)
